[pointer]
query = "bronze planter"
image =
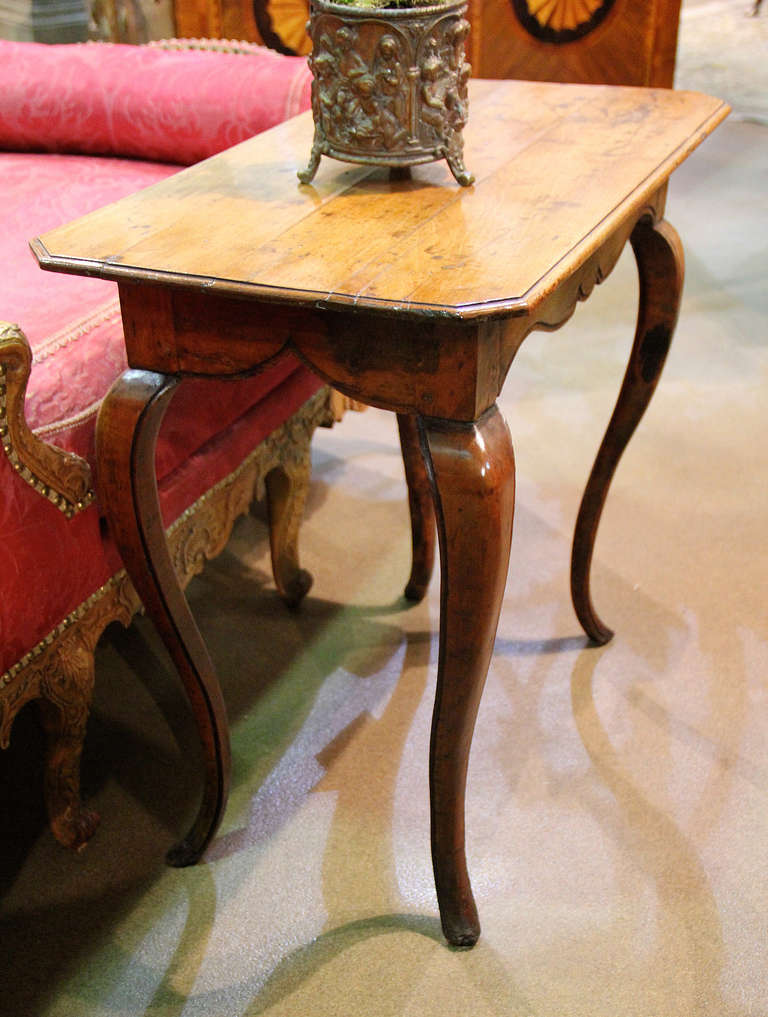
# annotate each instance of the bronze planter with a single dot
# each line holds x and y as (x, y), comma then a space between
(389, 85)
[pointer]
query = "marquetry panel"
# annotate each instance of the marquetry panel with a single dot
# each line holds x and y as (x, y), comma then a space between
(612, 42)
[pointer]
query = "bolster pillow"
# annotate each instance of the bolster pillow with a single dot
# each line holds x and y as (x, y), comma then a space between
(175, 106)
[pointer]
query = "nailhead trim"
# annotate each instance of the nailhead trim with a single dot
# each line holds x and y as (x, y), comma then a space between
(69, 508)
(60, 629)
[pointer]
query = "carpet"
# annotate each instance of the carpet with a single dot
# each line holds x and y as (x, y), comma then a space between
(723, 51)
(617, 807)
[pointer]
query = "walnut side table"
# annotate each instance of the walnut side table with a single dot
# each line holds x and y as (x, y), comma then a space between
(412, 295)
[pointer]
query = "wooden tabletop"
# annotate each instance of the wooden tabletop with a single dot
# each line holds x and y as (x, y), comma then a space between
(558, 168)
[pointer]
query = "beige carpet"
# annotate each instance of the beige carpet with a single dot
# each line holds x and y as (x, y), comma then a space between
(618, 798)
(723, 50)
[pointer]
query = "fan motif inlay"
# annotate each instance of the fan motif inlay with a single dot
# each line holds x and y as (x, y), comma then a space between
(561, 20)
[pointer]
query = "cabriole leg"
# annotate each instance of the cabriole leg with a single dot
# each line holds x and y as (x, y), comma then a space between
(66, 693)
(421, 508)
(472, 470)
(126, 435)
(660, 264)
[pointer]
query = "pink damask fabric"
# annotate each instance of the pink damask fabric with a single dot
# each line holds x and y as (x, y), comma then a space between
(175, 106)
(48, 564)
(156, 107)
(73, 323)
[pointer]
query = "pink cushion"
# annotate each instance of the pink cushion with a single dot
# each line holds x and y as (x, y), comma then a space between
(49, 564)
(175, 106)
(59, 312)
(75, 332)
(158, 105)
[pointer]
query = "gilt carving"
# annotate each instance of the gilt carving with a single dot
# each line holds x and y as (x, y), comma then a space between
(341, 404)
(61, 477)
(58, 672)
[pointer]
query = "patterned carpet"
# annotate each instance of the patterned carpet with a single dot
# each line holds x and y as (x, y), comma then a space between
(723, 50)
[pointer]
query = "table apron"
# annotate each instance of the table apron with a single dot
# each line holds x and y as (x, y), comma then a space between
(432, 365)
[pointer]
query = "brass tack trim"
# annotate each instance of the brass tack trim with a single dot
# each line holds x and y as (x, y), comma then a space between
(62, 503)
(60, 629)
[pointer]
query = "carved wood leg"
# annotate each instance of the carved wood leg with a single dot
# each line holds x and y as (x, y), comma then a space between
(66, 693)
(287, 488)
(421, 507)
(660, 264)
(126, 434)
(472, 470)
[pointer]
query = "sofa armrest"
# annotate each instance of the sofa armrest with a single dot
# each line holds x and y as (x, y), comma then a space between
(61, 477)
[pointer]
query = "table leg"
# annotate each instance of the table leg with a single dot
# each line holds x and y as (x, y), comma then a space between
(421, 507)
(472, 470)
(660, 263)
(286, 488)
(126, 435)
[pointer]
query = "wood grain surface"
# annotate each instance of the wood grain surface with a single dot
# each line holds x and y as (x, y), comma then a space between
(634, 45)
(557, 167)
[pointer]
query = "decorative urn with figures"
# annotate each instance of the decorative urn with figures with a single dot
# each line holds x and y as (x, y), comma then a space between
(389, 83)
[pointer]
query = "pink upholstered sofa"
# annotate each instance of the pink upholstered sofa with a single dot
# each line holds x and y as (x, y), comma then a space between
(80, 126)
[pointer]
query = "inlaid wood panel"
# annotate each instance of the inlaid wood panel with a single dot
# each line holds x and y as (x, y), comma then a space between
(613, 42)
(216, 19)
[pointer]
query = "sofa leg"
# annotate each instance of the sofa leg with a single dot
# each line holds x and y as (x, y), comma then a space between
(66, 694)
(287, 487)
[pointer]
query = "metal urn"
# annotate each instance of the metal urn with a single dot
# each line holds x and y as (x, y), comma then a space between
(389, 85)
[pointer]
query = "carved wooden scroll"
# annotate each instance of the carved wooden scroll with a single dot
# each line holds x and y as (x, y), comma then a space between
(61, 477)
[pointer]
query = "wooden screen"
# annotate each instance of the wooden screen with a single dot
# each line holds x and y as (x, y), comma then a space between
(622, 42)
(615, 42)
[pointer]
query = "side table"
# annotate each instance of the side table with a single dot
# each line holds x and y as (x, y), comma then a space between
(412, 295)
